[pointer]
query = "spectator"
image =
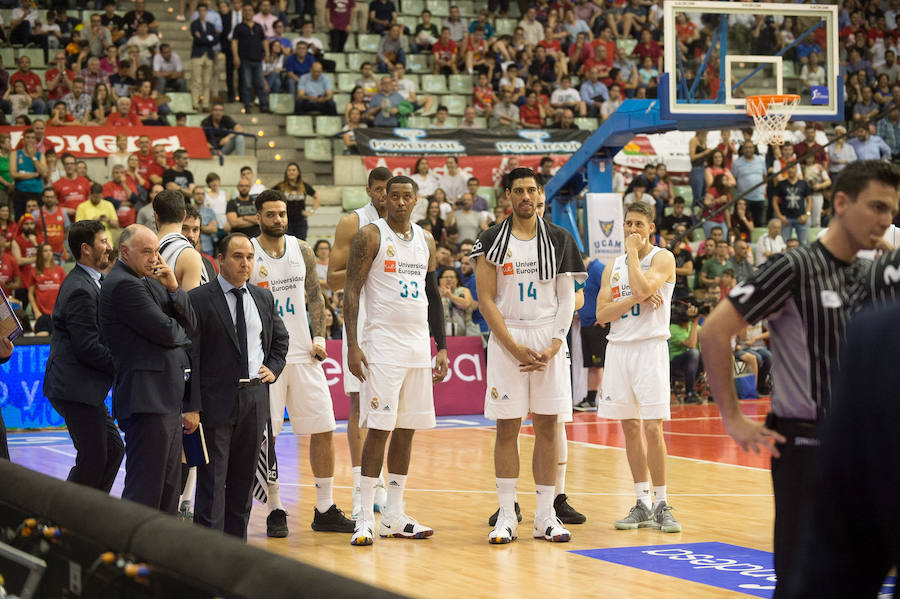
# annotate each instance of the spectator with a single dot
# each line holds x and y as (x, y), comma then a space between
(390, 50)
(513, 83)
(867, 108)
(98, 37)
(457, 302)
(711, 273)
(368, 82)
(96, 208)
(27, 168)
(484, 99)
(144, 106)
(54, 223)
(684, 262)
(432, 220)
(123, 115)
(567, 97)
(119, 156)
(314, 44)
(670, 221)
(339, 13)
(749, 171)
(77, 102)
(93, 75)
(479, 204)
(297, 194)
(425, 35)
(741, 221)
(113, 22)
(382, 15)
(458, 29)
(532, 28)
(256, 186)
(477, 57)
(204, 39)
(10, 277)
(297, 65)
(322, 251)
(222, 133)
(139, 15)
(716, 165)
(121, 82)
(684, 355)
(248, 47)
(24, 249)
(383, 106)
(407, 88)
(60, 116)
(178, 177)
(812, 73)
(818, 180)
(792, 203)
(506, 113)
(440, 119)
(43, 288)
(32, 83)
(315, 93)
(742, 264)
(809, 144)
(59, 78)
(889, 130)
(446, 54)
(841, 152)
(24, 27)
(427, 182)
(6, 180)
(639, 194)
(122, 192)
(146, 43)
(19, 100)
(468, 120)
(354, 121)
(454, 182)
(594, 92)
(241, 211)
(217, 201)
(102, 105)
(467, 221)
(209, 226)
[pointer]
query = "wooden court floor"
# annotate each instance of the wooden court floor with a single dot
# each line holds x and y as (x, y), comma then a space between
(719, 494)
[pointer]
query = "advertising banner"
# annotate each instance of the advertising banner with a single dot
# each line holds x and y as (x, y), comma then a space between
(99, 142)
(488, 169)
(472, 142)
(606, 235)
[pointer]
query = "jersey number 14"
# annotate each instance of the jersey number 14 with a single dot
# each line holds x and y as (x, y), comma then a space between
(530, 292)
(288, 307)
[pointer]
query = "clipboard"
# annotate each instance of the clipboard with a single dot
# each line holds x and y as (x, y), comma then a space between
(10, 327)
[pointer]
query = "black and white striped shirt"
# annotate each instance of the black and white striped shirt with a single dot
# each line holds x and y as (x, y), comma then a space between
(807, 296)
(883, 281)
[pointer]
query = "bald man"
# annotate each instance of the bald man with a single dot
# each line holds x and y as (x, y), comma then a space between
(146, 320)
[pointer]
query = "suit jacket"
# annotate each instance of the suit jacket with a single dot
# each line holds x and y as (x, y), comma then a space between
(204, 38)
(215, 354)
(148, 333)
(80, 367)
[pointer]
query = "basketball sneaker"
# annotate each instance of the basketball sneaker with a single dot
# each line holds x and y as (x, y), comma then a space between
(363, 533)
(492, 521)
(380, 495)
(551, 529)
(504, 532)
(332, 520)
(565, 512)
(638, 517)
(402, 526)
(662, 519)
(276, 524)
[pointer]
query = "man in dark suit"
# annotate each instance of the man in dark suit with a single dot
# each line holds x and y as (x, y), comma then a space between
(6, 350)
(240, 348)
(146, 321)
(79, 370)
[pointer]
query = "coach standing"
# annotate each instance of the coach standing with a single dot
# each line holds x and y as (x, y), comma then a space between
(239, 349)
(80, 368)
(146, 320)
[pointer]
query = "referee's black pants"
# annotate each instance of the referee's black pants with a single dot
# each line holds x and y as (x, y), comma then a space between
(793, 477)
(4, 448)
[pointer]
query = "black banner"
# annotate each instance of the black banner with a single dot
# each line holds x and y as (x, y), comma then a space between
(472, 142)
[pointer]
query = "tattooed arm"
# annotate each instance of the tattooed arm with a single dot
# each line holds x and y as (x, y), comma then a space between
(315, 302)
(363, 249)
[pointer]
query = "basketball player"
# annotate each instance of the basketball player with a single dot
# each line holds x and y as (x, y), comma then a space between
(286, 266)
(635, 387)
(565, 512)
(349, 224)
(807, 295)
(392, 261)
(526, 269)
(179, 253)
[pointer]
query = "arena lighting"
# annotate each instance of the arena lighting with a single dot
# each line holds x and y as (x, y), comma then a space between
(277, 156)
(261, 133)
(271, 144)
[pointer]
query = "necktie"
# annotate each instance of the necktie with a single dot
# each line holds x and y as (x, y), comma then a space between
(101, 278)
(241, 326)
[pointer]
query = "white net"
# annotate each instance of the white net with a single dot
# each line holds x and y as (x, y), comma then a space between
(771, 116)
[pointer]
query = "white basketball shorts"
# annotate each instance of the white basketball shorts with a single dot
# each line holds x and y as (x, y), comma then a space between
(513, 394)
(351, 383)
(396, 397)
(635, 381)
(303, 389)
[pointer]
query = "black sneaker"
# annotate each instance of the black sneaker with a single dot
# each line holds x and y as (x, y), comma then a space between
(565, 512)
(332, 520)
(585, 405)
(276, 524)
(692, 399)
(492, 521)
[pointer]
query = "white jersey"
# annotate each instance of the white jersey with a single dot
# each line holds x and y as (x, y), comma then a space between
(285, 277)
(521, 295)
(642, 322)
(396, 328)
(171, 246)
(366, 215)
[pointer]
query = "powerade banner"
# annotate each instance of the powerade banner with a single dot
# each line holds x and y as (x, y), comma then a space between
(23, 404)
(489, 170)
(473, 142)
(606, 234)
(99, 142)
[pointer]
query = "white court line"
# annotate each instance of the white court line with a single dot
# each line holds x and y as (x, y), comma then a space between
(71, 455)
(676, 457)
(690, 419)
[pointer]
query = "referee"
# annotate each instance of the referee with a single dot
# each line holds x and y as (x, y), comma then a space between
(807, 295)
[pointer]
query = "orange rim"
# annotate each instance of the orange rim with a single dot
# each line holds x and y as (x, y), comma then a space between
(757, 105)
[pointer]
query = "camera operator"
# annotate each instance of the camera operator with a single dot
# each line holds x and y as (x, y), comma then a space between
(684, 262)
(684, 356)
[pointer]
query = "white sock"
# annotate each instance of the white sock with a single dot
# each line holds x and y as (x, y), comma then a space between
(642, 490)
(274, 501)
(381, 479)
(562, 457)
(357, 472)
(506, 493)
(324, 496)
(395, 486)
(560, 478)
(190, 485)
(659, 494)
(367, 497)
(544, 501)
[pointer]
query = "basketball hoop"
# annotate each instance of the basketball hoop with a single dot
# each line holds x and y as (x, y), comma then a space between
(771, 113)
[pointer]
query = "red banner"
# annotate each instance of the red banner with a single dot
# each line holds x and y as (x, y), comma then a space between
(99, 142)
(462, 392)
(488, 169)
